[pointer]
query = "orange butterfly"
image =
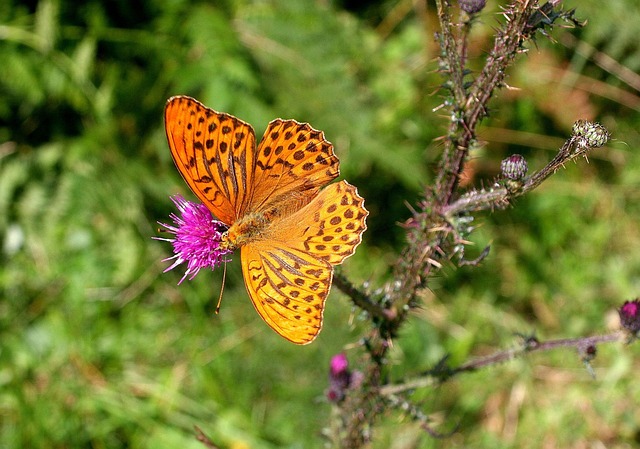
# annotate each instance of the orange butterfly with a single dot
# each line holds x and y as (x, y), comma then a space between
(290, 232)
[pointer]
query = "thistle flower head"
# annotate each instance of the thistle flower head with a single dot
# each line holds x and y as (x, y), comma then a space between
(630, 316)
(197, 238)
(339, 365)
(341, 378)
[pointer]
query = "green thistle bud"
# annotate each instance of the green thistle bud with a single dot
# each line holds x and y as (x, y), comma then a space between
(591, 134)
(597, 135)
(580, 128)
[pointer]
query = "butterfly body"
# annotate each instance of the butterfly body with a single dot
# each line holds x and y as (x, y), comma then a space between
(256, 225)
(245, 230)
(290, 230)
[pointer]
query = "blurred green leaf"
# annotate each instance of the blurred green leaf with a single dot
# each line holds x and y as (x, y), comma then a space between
(46, 24)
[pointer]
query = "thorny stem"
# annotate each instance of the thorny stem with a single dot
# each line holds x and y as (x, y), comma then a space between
(507, 45)
(530, 345)
(534, 345)
(428, 231)
(453, 64)
(464, 40)
(360, 298)
(500, 195)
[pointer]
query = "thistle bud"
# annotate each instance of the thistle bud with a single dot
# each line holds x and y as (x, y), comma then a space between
(341, 378)
(597, 135)
(514, 167)
(580, 128)
(472, 6)
(591, 134)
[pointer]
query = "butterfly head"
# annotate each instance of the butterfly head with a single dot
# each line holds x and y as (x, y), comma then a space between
(228, 241)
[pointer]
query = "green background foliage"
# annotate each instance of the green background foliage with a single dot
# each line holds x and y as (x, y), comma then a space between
(98, 348)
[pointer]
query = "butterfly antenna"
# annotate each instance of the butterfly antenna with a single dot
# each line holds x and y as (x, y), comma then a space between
(224, 278)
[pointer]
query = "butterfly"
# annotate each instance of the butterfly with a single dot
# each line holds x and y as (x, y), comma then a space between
(291, 232)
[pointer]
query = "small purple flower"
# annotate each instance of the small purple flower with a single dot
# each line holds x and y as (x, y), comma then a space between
(630, 316)
(197, 238)
(341, 378)
(339, 365)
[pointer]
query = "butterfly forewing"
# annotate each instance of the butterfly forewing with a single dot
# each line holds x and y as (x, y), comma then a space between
(214, 152)
(292, 158)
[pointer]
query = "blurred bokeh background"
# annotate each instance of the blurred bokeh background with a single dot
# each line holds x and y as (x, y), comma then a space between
(99, 348)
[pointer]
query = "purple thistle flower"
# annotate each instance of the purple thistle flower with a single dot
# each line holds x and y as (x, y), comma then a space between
(630, 316)
(339, 365)
(197, 238)
(341, 378)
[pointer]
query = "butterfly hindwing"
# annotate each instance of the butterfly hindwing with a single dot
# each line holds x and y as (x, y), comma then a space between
(330, 227)
(288, 271)
(288, 288)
